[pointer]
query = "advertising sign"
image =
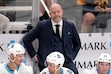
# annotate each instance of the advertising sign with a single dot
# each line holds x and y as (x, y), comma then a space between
(91, 47)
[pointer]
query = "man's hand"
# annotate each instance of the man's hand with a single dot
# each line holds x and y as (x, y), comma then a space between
(35, 58)
(98, 8)
(108, 9)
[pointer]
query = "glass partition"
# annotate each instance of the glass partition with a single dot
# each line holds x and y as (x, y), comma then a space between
(74, 11)
(19, 13)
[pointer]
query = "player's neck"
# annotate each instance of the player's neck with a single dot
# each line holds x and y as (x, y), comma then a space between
(11, 66)
(58, 72)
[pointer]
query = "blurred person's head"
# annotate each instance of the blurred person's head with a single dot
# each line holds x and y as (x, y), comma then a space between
(55, 61)
(104, 62)
(16, 54)
(56, 12)
(4, 23)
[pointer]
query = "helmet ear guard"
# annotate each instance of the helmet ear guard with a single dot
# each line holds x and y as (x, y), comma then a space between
(15, 49)
(104, 57)
(56, 58)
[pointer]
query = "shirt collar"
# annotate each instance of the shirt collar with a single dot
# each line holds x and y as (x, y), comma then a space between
(60, 23)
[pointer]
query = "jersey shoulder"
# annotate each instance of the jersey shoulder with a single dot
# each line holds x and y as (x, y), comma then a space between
(67, 70)
(90, 71)
(45, 71)
(26, 68)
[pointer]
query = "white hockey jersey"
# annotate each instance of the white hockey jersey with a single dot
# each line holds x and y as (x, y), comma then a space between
(63, 70)
(22, 69)
(92, 71)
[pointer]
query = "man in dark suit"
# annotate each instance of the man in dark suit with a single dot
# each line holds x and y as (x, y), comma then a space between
(68, 41)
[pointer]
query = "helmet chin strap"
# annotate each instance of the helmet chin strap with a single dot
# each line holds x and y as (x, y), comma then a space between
(13, 61)
(56, 70)
(15, 71)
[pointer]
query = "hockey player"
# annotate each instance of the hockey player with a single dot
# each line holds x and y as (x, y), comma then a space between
(15, 64)
(103, 65)
(55, 61)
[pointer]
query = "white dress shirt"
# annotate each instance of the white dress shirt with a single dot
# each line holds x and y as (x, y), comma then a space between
(60, 27)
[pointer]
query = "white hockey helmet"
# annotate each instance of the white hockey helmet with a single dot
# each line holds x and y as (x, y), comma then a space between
(104, 57)
(56, 58)
(15, 49)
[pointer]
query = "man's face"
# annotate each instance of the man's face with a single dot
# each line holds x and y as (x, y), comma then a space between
(103, 67)
(19, 58)
(52, 67)
(56, 13)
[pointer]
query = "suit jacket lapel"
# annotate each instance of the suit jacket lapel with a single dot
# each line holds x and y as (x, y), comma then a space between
(64, 30)
(50, 31)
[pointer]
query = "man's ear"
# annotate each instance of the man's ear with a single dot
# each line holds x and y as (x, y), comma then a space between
(12, 56)
(58, 66)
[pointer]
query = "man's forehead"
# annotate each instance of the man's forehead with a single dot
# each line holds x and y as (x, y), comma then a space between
(55, 6)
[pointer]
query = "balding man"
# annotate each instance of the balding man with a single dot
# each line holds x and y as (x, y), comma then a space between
(54, 34)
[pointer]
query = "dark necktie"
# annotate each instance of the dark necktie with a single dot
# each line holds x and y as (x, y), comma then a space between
(57, 30)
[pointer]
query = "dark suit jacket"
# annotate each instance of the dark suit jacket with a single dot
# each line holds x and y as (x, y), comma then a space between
(44, 33)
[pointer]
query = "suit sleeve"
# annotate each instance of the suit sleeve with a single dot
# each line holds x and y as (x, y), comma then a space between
(29, 38)
(76, 43)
